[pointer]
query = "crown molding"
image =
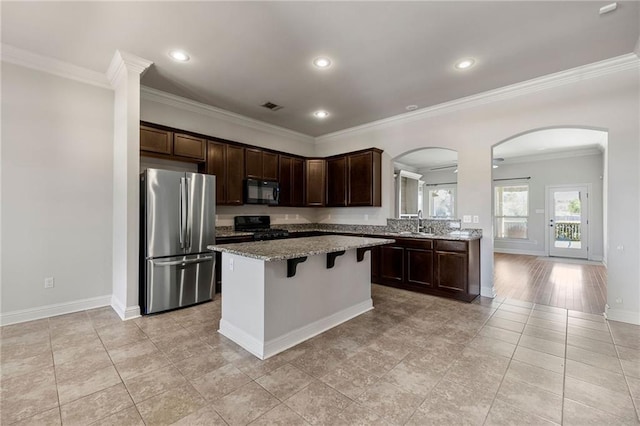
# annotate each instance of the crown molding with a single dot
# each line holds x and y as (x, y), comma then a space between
(585, 72)
(175, 101)
(123, 61)
(24, 58)
(576, 152)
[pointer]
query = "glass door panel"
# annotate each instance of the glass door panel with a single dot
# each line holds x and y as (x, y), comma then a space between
(568, 226)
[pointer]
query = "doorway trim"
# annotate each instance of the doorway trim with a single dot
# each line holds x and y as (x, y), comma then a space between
(547, 214)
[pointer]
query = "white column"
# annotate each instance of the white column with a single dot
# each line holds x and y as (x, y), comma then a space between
(124, 75)
(475, 189)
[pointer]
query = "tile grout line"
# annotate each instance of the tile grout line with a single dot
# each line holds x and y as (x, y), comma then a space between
(633, 402)
(55, 375)
(508, 365)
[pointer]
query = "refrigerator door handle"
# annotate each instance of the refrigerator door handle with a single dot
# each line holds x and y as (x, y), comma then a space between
(185, 262)
(188, 221)
(183, 213)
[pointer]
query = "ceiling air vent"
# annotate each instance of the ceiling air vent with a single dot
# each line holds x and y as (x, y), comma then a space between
(271, 106)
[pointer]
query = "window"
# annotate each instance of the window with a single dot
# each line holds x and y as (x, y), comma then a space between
(442, 202)
(511, 211)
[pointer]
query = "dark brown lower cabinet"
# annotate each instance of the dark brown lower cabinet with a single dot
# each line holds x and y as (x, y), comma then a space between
(419, 267)
(449, 268)
(392, 264)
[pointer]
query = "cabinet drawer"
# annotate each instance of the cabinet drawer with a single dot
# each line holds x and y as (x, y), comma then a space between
(447, 245)
(416, 243)
(188, 146)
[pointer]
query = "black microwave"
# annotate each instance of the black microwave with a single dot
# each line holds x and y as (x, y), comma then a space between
(258, 191)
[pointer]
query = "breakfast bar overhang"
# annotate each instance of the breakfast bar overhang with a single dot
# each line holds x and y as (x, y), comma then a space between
(276, 294)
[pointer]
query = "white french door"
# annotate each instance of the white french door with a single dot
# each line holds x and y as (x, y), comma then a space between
(568, 221)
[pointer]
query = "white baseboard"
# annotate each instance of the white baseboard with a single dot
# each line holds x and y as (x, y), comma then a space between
(124, 312)
(242, 338)
(621, 315)
(264, 350)
(53, 310)
(518, 251)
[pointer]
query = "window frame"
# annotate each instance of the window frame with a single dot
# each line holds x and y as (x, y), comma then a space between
(496, 216)
(454, 196)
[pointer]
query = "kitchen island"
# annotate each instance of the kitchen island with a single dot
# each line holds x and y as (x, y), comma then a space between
(278, 293)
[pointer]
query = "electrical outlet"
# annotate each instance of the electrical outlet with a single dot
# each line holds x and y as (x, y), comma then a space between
(476, 219)
(297, 216)
(619, 300)
(620, 247)
(366, 217)
(48, 282)
(286, 217)
(231, 264)
(466, 218)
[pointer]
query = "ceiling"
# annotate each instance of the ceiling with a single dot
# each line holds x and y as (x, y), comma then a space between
(386, 55)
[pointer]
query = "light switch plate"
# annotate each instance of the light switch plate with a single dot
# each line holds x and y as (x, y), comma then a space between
(231, 264)
(466, 218)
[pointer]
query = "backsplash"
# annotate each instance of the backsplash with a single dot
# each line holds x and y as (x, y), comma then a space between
(434, 226)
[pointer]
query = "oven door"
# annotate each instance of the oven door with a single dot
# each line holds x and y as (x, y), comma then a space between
(175, 282)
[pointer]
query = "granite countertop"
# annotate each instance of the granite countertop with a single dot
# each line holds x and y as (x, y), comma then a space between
(453, 235)
(274, 250)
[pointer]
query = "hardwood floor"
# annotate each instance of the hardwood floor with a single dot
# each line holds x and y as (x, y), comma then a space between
(580, 286)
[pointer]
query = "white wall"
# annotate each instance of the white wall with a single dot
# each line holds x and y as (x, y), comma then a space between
(560, 171)
(57, 138)
(609, 102)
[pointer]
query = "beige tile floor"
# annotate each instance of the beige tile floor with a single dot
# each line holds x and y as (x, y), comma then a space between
(414, 360)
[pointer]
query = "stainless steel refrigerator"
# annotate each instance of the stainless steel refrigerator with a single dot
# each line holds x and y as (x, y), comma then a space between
(177, 223)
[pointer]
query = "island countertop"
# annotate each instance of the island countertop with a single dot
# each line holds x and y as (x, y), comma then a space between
(275, 250)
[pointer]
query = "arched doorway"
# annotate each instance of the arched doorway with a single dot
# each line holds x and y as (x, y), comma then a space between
(425, 181)
(549, 214)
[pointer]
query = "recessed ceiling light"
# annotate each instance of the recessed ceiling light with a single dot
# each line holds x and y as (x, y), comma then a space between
(179, 55)
(412, 107)
(321, 114)
(322, 62)
(464, 64)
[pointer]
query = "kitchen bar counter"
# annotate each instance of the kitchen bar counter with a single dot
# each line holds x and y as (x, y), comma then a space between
(275, 250)
(278, 293)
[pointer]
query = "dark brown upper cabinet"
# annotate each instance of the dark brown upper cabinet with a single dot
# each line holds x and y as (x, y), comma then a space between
(167, 144)
(189, 146)
(226, 162)
(337, 181)
(363, 178)
(315, 183)
(156, 140)
(346, 180)
(260, 164)
(291, 181)
(353, 179)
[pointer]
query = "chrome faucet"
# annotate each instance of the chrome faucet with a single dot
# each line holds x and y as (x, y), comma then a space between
(419, 220)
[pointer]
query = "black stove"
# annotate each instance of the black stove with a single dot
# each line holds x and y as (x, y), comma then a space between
(260, 226)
